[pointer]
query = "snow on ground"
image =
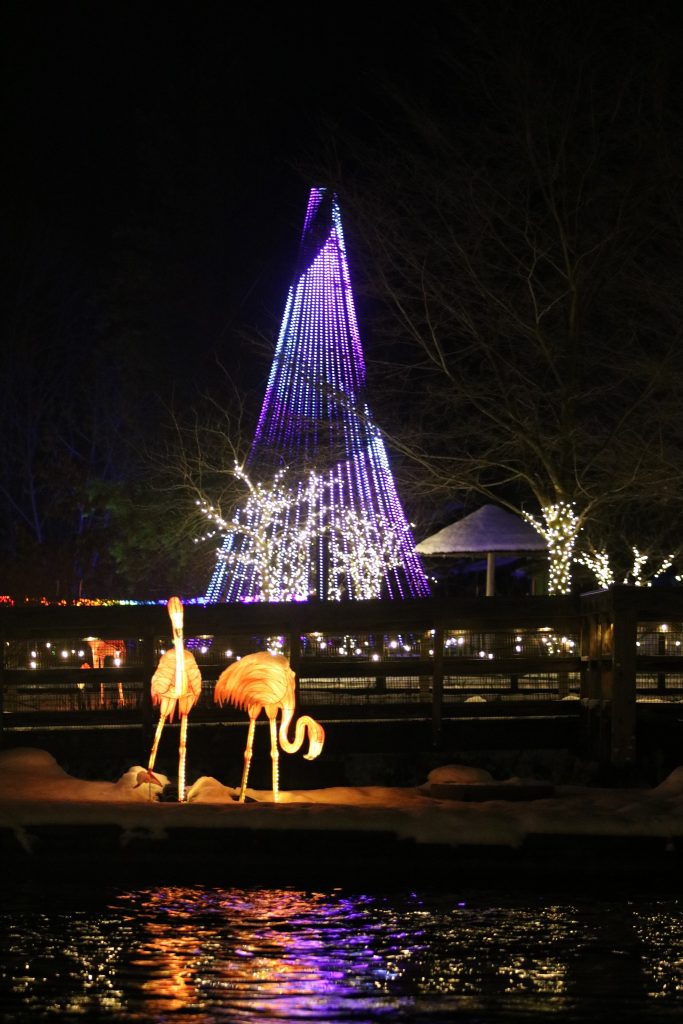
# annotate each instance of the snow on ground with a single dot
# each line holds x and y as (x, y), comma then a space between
(34, 790)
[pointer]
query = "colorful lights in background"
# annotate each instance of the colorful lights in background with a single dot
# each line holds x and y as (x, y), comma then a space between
(323, 518)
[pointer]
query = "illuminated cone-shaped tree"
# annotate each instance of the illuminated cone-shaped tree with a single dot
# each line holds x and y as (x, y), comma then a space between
(324, 508)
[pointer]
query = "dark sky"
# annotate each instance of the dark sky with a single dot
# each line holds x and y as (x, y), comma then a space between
(158, 154)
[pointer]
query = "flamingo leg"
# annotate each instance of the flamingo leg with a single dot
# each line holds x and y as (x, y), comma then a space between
(181, 759)
(275, 757)
(155, 745)
(247, 758)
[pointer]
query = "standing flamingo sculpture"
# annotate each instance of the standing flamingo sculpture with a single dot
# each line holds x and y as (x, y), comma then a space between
(265, 682)
(176, 682)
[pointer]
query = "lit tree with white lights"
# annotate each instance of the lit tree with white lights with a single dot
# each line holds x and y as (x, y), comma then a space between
(322, 518)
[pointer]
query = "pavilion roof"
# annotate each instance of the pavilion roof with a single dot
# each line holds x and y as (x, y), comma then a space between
(490, 528)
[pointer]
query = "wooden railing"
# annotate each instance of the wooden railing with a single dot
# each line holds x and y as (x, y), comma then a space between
(432, 659)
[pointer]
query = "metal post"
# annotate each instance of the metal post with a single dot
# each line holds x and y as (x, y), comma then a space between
(490, 573)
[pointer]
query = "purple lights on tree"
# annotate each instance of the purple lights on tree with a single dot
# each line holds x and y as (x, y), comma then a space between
(327, 522)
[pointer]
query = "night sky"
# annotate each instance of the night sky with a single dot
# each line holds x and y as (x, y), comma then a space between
(173, 145)
(157, 161)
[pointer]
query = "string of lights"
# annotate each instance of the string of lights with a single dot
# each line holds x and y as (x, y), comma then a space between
(335, 527)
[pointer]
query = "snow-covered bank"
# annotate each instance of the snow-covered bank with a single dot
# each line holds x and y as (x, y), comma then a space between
(35, 792)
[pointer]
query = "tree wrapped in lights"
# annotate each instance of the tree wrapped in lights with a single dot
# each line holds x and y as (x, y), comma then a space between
(338, 530)
(560, 528)
(599, 564)
(270, 537)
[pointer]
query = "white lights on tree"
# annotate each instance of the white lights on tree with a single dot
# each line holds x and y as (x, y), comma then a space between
(560, 528)
(277, 540)
(598, 563)
(313, 538)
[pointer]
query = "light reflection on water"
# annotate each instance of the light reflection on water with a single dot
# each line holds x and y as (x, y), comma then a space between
(203, 954)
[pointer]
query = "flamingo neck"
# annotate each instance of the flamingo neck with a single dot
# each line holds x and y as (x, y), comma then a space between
(179, 664)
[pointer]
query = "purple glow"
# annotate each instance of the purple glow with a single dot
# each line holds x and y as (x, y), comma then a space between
(313, 418)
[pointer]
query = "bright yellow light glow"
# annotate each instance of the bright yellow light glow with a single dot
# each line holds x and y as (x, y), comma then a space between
(265, 682)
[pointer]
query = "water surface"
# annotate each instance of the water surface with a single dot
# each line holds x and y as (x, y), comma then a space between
(204, 954)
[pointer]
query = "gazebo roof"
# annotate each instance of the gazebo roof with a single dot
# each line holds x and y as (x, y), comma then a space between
(488, 529)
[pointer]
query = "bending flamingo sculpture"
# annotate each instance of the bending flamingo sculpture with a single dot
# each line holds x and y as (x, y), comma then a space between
(265, 682)
(177, 682)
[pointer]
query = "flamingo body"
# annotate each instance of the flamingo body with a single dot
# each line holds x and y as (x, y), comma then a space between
(177, 683)
(265, 682)
(164, 685)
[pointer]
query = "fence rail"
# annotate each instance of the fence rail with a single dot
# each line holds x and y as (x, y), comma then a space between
(598, 654)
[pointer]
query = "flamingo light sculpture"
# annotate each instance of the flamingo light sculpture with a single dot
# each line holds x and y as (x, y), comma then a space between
(265, 682)
(177, 682)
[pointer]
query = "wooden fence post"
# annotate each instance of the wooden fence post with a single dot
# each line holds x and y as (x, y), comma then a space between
(295, 656)
(149, 668)
(623, 731)
(437, 686)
